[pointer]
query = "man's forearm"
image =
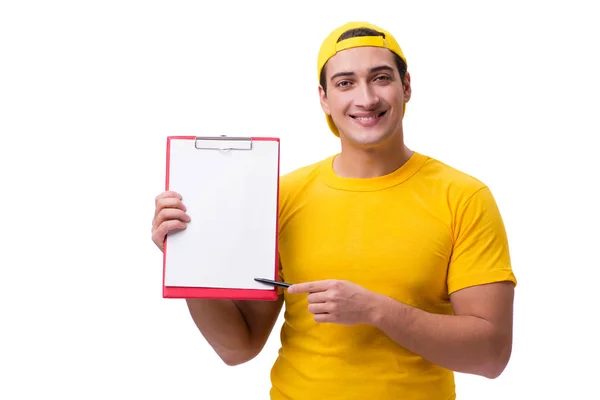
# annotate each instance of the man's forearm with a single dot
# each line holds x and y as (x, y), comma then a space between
(224, 328)
(465, 344)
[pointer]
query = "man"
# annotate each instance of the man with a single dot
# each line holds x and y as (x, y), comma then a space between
(400, 264)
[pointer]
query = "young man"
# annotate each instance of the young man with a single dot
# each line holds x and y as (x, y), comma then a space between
(400, 263)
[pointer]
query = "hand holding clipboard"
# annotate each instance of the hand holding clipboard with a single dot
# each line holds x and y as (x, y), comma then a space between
(169, 216)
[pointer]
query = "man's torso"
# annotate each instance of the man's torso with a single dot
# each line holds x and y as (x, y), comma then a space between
(392, 235)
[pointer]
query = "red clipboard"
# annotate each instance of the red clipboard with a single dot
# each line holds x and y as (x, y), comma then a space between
(230, 187)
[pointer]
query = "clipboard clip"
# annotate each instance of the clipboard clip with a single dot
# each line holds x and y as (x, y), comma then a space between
(223, 143)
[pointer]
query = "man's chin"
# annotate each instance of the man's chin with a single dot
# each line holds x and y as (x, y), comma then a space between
(366, 137)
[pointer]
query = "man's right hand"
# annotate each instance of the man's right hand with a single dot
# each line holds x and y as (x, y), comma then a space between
(169, 215)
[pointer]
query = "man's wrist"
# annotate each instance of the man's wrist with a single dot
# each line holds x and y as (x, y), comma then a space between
(379, 308)
(385, 307)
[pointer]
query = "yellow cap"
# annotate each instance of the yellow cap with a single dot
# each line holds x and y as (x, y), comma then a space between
(331, 47)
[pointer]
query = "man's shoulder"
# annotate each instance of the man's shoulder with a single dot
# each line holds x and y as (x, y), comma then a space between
(455, 181)
(300, 176)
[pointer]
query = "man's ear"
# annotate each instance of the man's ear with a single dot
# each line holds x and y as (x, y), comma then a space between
(324, 101)
(407, 87)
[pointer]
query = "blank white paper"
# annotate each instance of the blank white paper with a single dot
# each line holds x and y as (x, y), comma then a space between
(231, 198)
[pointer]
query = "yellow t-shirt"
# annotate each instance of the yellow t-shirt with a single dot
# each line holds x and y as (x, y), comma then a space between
(416, 235)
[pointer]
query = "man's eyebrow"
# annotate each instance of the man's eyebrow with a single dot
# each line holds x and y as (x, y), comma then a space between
(371, 70)
(381, 68)
(338, 74)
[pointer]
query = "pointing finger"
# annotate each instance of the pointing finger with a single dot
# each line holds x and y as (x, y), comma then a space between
(309, 287)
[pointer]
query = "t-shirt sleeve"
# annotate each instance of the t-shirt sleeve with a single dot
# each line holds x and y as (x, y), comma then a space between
(481, 253)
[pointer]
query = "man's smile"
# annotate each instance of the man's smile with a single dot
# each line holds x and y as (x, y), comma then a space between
(368, 119)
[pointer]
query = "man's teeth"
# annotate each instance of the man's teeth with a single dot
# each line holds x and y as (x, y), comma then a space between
(365, 118)
(370, 118)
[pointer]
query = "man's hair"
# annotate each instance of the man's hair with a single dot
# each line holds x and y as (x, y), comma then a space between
(400, 64)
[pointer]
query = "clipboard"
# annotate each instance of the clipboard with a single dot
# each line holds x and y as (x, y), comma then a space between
(230, 187)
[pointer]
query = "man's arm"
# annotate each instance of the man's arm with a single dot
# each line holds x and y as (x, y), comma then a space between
(476, 340)
(236, 330)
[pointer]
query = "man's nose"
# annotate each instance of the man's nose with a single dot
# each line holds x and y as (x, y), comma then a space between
(366, 97)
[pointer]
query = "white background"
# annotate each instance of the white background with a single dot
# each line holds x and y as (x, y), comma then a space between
(505, 90)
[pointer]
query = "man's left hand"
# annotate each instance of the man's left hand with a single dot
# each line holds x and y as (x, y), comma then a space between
(337, 301)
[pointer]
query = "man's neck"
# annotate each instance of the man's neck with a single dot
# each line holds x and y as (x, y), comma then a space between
(369, 163)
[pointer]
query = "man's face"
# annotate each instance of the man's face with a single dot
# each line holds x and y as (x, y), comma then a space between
(365, 96)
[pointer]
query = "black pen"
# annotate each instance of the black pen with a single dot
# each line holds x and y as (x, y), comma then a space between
(272, 282)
